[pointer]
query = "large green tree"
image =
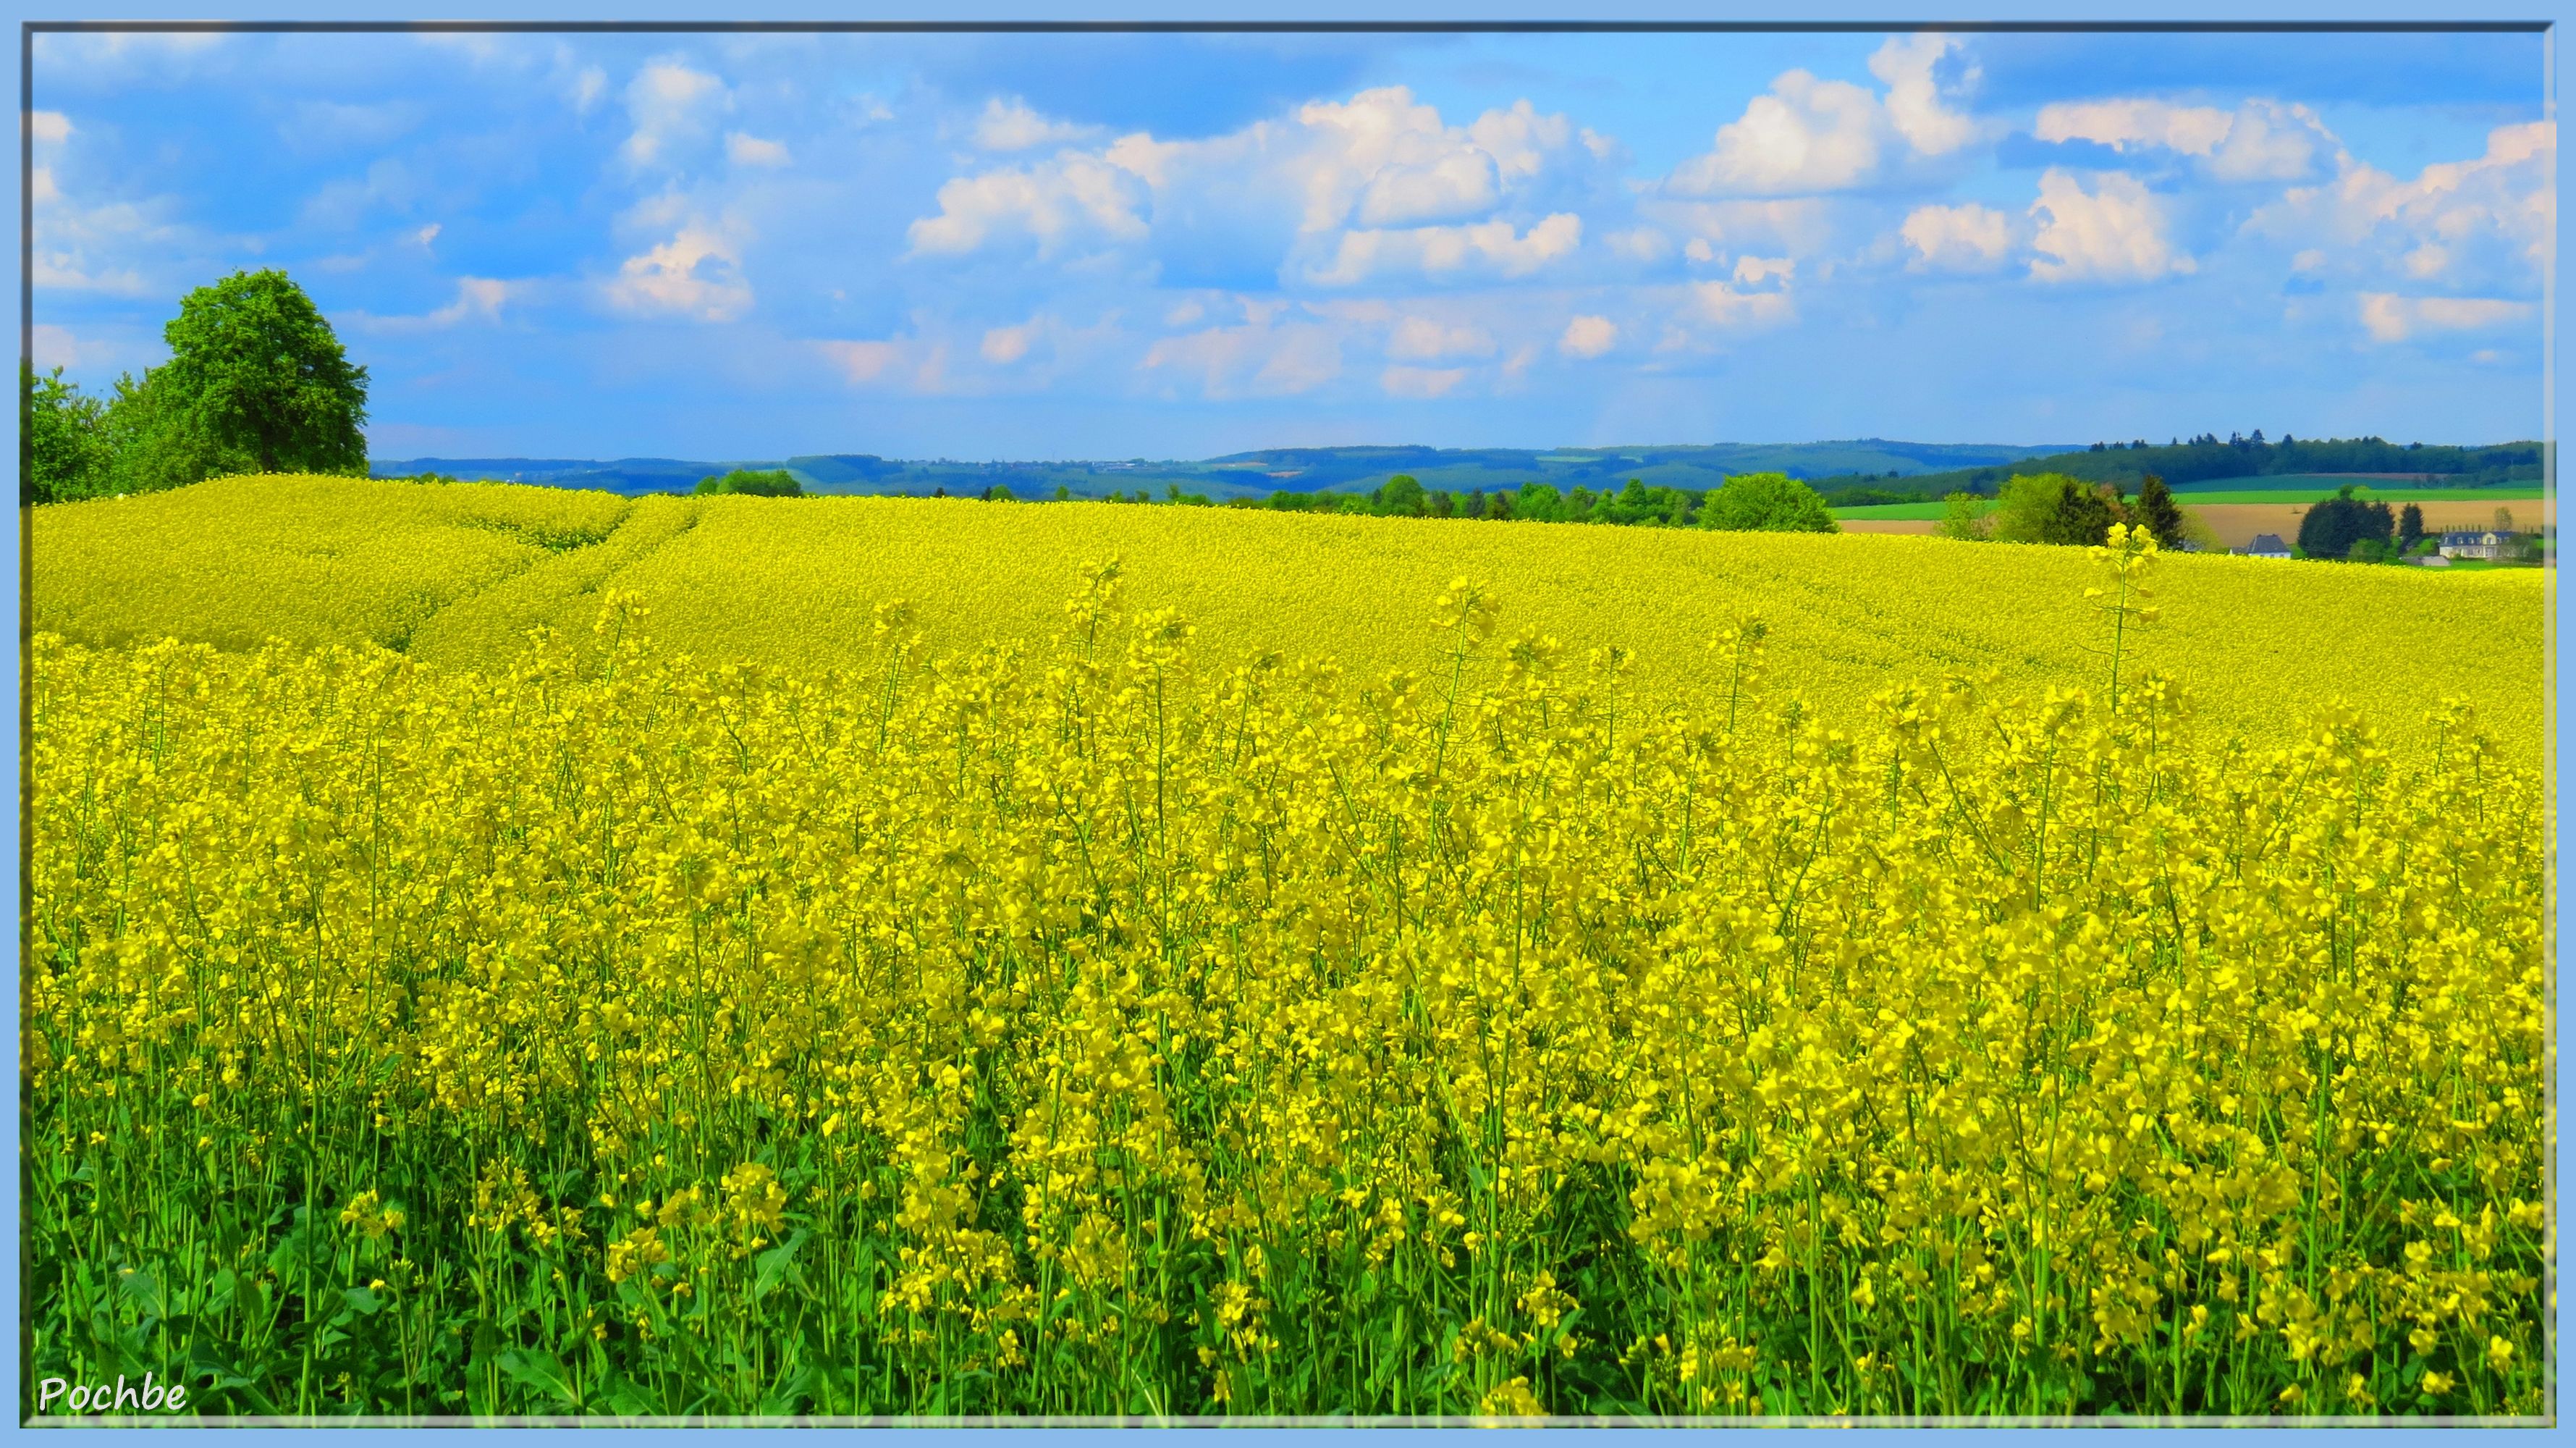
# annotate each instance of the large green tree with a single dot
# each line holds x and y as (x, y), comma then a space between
(256, 383)
(2332, 528)
(62, 446)
(2157, 509)
(1767, 503)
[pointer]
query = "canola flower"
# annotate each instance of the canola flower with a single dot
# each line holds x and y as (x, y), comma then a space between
(456, 575)
(1122, 1024)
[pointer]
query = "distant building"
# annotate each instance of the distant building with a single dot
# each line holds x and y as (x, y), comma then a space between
(2267, 545)
(2480, 543)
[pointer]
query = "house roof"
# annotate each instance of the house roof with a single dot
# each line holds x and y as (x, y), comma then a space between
(2457, 536)
(2267, 543)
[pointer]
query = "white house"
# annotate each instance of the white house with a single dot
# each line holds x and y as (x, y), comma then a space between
(2267, 545)
(2480, 543)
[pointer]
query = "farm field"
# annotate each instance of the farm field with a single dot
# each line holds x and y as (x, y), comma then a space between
(2237, 521)
(455, 576)
(493, 950)
(2451, 500)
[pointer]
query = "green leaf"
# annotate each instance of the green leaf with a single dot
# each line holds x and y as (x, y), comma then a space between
(540, 1371)
(143, 1289)
(777, 1265)
(362, 1300)
(782, 1399)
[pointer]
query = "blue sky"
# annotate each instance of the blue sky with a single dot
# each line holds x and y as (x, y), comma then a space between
(1176, 246)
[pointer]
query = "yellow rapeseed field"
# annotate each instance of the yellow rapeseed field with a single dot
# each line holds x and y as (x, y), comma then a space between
(456, 574)
(1567, 994)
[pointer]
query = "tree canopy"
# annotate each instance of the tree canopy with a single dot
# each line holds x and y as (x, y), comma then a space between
(1766, 503)
(780, 484)
(62, 444)
(256, 382)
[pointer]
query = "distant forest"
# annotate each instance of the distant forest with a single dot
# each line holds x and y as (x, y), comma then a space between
(2209, 458)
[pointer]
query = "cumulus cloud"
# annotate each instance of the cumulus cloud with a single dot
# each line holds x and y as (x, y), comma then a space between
(1905, 65)
(1728, 306)
(2261, 140)
(1588, 336)
(1956, 238)
(1347, 189)
(1420, 383)
(1254, 359)
(1054, 203)
(865, 362)
(1012, 126)
(1808, 135)
(57, 347)
(1487, 246)
(49, 128)
(2475, 224)
(1006, 345)
(2392, 318)
(669, 103)
(1424, 339)
(2113, 233)
(749, 150)
(696, 274)
(476, 297)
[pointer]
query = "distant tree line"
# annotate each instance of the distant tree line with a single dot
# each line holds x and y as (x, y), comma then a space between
(2207, 457)
(778, 484)
(1753, 502)
(256, 383)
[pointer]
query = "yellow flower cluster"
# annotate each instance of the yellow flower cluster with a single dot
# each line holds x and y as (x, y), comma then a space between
(455, 575)
(1123, 1023)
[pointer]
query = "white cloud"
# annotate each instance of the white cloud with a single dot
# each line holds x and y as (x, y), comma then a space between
(478, 297)
(57, 347)
(1904, 65)
(1421, 383)
(1012, 126)
(1184, 314)
(1957, 238)
(1724, 304)
(1255, 359)
(697, 274)
(2269, 141)
(1809, 135)
(1349, 189)
(50, 128)
(1753, 271)
(865, 362)
(1052, 203)
(426, 235)
(1799, 226)
(1006, 345)
(2114, 233)
(1806, 135)
(2261, 140)
(669, 103)
(2126, 125)
(41, 187)
(1588, 337)
(1423, 339)
(2392, 318)
(748, 150)
(1639, 244)
(588, 87)
(1487, 246)
(2476, 224)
